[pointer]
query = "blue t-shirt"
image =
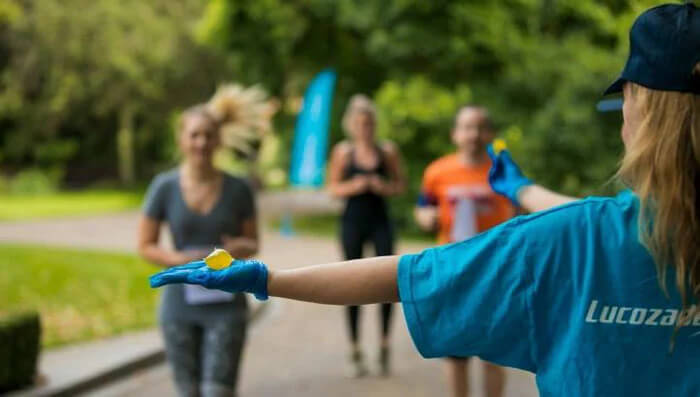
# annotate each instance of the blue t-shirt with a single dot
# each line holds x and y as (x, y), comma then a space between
(569, 294)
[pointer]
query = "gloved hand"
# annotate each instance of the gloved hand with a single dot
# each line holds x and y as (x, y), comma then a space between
(505, 176)
(242, 276)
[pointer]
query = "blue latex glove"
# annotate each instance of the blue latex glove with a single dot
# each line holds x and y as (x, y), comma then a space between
(242, 276)
(505, 176)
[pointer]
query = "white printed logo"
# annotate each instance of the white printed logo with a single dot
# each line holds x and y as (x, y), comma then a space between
(642, 315)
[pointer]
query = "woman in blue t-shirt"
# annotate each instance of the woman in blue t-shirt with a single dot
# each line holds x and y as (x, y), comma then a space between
(598, 296)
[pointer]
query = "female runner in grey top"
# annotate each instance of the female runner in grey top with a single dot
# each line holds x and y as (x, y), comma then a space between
(192, 231)
(204, 208)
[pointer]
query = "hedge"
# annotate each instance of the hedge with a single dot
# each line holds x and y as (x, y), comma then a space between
(20, 341)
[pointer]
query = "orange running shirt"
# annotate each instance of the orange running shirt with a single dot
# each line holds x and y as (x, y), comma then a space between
(448, 183)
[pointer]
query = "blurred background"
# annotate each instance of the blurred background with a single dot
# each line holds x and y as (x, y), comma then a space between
(90, 91)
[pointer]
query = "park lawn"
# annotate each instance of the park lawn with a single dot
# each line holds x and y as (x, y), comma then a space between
(88, 202)
(79, 294)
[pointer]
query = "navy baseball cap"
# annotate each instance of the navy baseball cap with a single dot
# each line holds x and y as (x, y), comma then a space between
(664, 49)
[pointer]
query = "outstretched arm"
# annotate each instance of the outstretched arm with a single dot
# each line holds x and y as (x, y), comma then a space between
(362, 281)
(537, 198)
(357, 282)
(507, 179)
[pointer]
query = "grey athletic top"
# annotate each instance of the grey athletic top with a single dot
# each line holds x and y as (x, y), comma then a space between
(190, 230)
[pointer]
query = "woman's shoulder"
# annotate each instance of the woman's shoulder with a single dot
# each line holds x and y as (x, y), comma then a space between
(443, 165)
(240, 193)
(343, 147)
(165, 178)
(159, 193)
(237, 182)
(388, 148)
(341, 152)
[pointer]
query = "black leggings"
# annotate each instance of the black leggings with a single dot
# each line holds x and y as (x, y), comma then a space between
(354, 235)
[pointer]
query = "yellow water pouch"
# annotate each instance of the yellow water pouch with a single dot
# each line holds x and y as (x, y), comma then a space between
(499, 145)
(218, 259)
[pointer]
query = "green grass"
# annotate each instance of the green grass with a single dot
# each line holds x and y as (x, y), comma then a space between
(80, 294)
(19, 207)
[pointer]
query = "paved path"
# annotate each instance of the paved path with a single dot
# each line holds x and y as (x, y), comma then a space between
(296, 349)
(114, 232)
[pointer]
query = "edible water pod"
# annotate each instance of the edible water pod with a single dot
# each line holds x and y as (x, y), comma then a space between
(499, 145)
(218, 259)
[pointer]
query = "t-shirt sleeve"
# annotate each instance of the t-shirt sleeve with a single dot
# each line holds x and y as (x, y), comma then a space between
(471, 298)
(246, 207)
(156, 198)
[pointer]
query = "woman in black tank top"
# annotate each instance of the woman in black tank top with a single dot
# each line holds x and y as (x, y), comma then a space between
(365, 173)
(368, 204)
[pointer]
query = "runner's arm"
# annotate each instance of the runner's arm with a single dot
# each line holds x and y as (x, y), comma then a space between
(426, 217)
(426, 212)
(149, 249)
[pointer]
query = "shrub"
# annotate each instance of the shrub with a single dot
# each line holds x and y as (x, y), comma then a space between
(34, 181)
(20, 336)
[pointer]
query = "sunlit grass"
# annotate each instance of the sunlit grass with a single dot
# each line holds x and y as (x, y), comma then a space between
(80, 294)
(19, 207)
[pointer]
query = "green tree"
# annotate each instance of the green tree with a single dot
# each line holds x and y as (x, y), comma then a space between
(86, 83)
(92, 84)
(539, 65)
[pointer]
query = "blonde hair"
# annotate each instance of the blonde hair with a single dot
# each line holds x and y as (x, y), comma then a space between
(201, 110)
(236, 111)
(662, 165)
(358, 103)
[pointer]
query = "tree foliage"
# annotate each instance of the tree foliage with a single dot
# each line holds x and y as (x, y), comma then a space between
(76, 73)
(539, 65)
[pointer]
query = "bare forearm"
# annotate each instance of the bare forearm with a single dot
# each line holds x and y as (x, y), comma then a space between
(243, 247)
(357, 282)
(394, 188)
(161, 256)
(536, 198)
(342, 189)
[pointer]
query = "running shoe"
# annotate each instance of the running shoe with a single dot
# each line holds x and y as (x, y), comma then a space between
(357, 368)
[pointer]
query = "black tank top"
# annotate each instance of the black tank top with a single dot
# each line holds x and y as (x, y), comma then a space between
(368, 206)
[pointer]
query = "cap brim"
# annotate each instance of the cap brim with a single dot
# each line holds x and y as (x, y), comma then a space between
(609, 105)
(615, 87)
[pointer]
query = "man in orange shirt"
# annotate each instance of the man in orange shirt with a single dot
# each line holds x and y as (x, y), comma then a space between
(457, 201)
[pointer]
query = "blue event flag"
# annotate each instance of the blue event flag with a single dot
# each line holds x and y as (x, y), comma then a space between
(311, 132)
